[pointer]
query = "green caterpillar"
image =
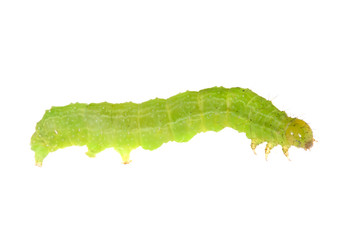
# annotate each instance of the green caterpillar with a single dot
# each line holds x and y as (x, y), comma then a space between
(127, 126)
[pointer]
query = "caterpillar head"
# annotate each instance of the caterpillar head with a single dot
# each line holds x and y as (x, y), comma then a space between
(299, 134)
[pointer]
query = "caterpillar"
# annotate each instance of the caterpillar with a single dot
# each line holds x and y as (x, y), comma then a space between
(126, 126)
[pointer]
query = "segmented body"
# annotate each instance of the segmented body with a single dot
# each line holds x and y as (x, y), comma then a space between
(127, 126)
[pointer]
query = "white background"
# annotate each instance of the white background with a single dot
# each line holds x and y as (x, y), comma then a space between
(299, 54)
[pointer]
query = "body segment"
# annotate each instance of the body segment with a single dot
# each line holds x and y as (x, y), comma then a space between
(127, 126)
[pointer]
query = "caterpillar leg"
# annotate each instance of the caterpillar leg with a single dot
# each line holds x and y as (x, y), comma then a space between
(40, 154)
(267, 149)
(39, 158)
(125, 155)
(92, 150)
(254, 144)
(126, 158)
(286, 152)
(91, 154)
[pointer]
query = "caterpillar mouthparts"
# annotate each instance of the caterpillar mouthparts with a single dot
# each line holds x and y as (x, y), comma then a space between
(126, 126)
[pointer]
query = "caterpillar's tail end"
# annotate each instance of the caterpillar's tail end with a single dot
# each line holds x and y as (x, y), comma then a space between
(40, 149)
(39, 156)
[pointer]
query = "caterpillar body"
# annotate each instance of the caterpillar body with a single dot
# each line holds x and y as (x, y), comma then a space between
(127, 126)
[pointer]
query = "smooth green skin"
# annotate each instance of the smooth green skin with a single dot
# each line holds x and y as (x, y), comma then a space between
(127, 126)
